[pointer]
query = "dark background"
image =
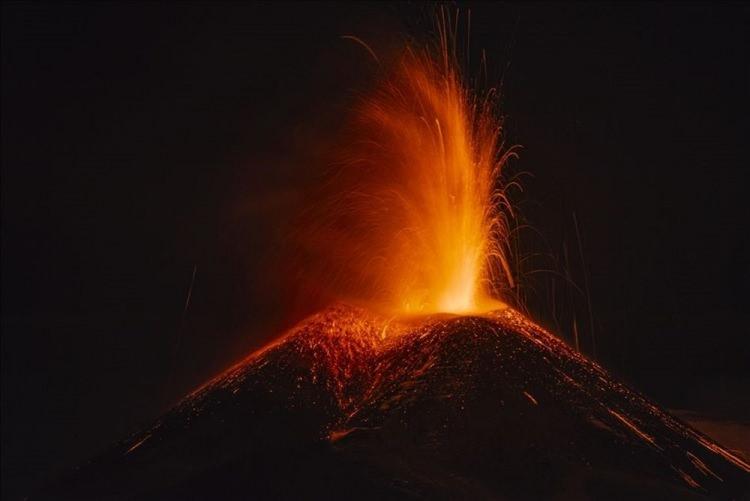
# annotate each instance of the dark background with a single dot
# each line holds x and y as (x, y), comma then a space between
(143, 141)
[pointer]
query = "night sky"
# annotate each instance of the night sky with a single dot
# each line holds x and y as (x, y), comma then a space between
(142, 142)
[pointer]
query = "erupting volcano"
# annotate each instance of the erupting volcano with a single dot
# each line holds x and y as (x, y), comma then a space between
(420, 381)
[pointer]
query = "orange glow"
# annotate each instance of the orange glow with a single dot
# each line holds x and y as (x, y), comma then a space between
(417, 221)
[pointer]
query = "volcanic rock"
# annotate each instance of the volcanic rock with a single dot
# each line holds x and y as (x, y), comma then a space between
(352, 405)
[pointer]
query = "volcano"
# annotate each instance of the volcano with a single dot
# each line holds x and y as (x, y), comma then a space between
(349, 404)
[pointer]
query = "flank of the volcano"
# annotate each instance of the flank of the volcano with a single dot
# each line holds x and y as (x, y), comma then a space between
(352, 404)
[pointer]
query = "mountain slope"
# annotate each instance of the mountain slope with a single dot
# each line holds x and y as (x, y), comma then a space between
(349, 404)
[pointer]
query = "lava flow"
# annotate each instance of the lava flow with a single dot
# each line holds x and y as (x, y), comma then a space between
(468, 399)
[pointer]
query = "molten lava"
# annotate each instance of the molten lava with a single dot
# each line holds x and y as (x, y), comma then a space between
(416, 220)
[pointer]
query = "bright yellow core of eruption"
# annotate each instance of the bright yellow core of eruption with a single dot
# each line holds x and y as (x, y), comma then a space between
(418, 224)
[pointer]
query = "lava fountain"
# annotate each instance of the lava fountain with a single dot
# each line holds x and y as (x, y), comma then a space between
(416, 217)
